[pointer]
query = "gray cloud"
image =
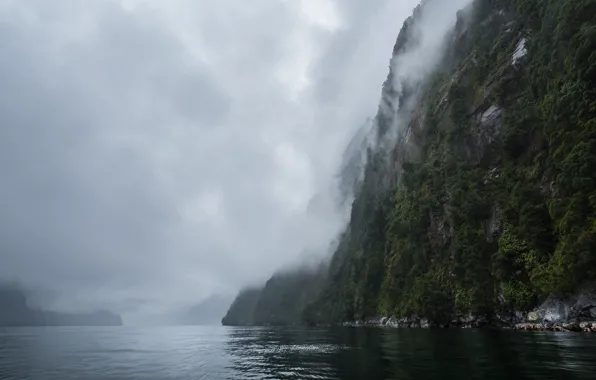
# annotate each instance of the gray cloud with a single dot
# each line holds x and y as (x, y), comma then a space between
(155, 152)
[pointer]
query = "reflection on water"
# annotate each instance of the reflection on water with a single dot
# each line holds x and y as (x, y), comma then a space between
(282, 353)
(484, 355)
(292, 353)
(370, 354)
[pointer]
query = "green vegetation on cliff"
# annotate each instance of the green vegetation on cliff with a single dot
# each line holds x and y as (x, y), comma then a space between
(497, 209)
(280, 301)
(501, 209)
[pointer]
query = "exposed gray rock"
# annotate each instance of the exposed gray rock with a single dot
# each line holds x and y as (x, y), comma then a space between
(573, 308)
(493, 224)
(533, 316)
(487, 126)
(520, 52)
(468, 318)
(552, 310)
(392, 322)
(491, 115)
(374, 321)
(555, 311)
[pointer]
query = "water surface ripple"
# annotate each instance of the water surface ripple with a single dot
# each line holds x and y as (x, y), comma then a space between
(292, 353)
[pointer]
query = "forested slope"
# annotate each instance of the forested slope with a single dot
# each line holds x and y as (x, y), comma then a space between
(480, 194)
(280, 302)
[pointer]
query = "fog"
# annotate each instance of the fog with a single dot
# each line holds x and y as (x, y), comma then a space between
(158, 153)
(428, 37)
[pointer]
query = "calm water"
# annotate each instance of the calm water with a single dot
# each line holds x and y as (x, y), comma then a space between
(296, 353)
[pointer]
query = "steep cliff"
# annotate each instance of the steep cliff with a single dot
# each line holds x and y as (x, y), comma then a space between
(479, 194)
(242, 310)
(280, 302)
(496, 209)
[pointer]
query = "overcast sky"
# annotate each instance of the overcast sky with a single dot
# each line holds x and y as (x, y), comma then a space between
(154, 152)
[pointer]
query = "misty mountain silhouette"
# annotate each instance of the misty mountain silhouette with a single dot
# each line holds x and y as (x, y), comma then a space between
(15, 311)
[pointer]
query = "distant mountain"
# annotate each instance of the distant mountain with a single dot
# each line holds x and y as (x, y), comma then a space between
(15, 311)
(208, 312)
(241, 312)
(282, 301)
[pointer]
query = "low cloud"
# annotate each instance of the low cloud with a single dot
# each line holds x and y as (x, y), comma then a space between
(153, 153)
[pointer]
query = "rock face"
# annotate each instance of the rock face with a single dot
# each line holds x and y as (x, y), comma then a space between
(575, 312)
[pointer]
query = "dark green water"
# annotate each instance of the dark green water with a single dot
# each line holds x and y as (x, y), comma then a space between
(293, 353)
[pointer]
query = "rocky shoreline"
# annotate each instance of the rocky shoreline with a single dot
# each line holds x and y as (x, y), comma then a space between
(573, 313)
(574, 327)
(412, 322)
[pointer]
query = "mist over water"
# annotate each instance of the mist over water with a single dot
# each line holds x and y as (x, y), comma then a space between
(420, 48)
